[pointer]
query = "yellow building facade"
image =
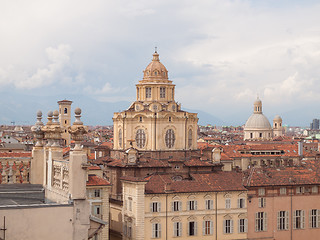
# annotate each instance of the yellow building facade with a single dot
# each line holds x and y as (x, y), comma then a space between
(187, 209)
(155, 120)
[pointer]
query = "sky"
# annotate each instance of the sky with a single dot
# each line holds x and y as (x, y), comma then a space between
(220, 54)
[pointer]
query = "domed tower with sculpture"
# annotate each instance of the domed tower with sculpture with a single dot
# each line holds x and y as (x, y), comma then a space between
(155, 121)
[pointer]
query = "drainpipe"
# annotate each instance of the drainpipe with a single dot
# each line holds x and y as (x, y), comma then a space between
(166, 216)
(216, 228)
(291, 226)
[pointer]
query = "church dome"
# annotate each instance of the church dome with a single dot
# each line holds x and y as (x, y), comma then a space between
(277, 118)
(155, 71)
(258, 121)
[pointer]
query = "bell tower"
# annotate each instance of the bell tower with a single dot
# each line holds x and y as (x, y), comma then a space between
(65, 119)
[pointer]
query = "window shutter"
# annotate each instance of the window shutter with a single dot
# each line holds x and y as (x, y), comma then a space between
(211, 204)
(180, 228)
(287, 220)
(231, 226)
(259, 199)
(256, 226)
(264, 202)
(238, 202)
(159, 227)
(293, 220)
(195, 228)
(153, 230)
(180, 205)
(310, 218)
(246, 225)
(265, 219)
(159, 206)
(151, 207)
(188, 205)
(224, 226)
(174, 229)
(204, 228)
(195, 205)
(239, 225)
(278, 221)
(172, 206)
(302, 219)
(188, 228)
(318, 218)
(211, 227)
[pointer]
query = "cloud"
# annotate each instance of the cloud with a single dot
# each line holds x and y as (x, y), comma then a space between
(59, 58)
(223, 53)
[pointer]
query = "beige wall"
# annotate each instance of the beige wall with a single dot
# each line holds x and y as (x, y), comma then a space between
(38, 223)
(155, 137)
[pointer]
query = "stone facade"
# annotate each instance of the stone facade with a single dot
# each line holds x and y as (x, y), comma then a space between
(155, 120)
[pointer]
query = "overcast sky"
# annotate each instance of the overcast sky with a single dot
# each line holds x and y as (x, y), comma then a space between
(220, 54)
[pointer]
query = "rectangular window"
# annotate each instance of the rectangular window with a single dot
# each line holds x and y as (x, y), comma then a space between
(130, 204)
(162, 92)
(228, 203)
(283, 191)
(283, 220)
(209, 204)
(129, 230)
(241, 203)
(97, 193)
(207, 227)
(298, 219)
(227, 226)
(192, 230)
(314, 218)
(155, 207)
(261, 221)
(176, 206)
(300, 190)
(148, 92)
(315, 189)
(262, 202)
(192, 205)
(243, 225)
(261, 191)
(96, 210)
(177, 229)
(156, 230)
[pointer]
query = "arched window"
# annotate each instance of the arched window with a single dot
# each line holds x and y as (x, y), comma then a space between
(140, 138)
(170, 138)
(65, 110)
(189, 138)
(120, 138)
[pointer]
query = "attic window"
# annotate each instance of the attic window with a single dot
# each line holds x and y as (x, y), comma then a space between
(176, 167)
(177, 178)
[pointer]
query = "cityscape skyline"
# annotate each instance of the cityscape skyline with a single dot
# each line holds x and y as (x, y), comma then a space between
(224, 57)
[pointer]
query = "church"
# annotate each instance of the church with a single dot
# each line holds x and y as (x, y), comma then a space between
(155, 120)
(258, 128)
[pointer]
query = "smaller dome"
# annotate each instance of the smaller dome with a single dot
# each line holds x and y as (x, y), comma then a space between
(257, 102)
(50, 114)
(155, 70)
(39, 114)
(55, 113)
(277, 118)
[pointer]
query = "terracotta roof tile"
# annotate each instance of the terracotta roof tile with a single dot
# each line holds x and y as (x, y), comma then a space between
(94, 180)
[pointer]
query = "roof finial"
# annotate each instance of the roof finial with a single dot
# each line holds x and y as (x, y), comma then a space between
(155, 49)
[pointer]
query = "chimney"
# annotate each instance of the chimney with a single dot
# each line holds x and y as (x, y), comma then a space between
(300, 148)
